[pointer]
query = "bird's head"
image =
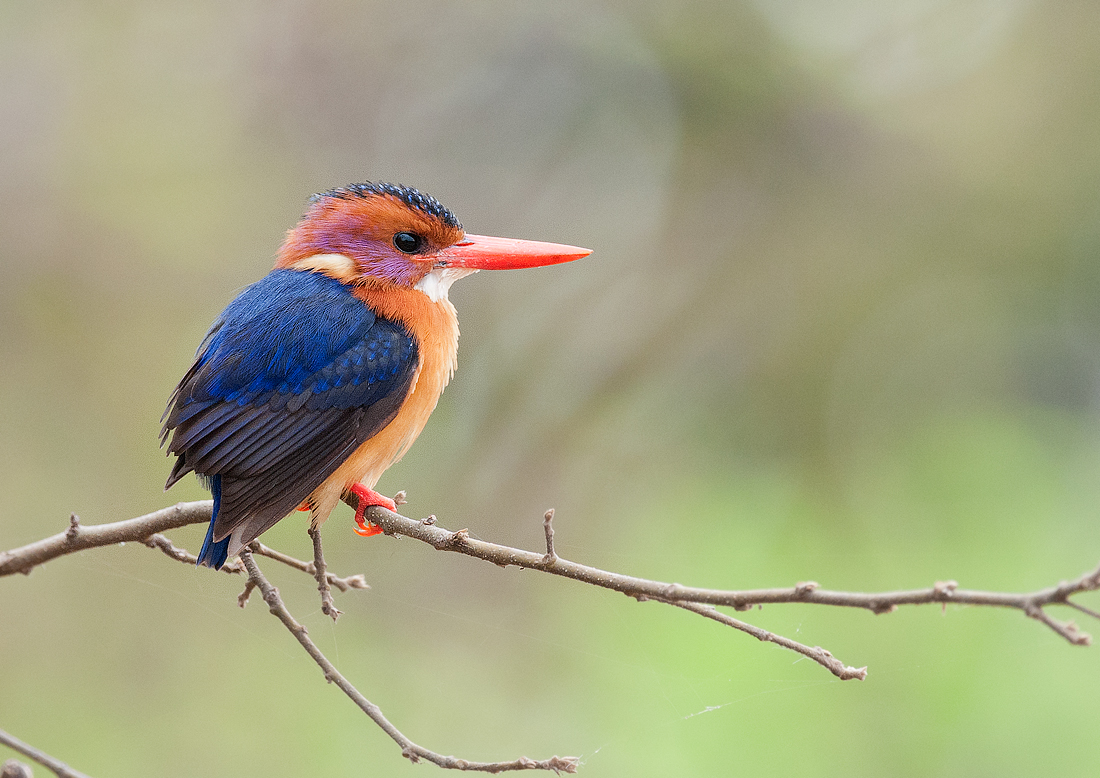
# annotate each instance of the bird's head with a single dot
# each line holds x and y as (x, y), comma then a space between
(385, 234)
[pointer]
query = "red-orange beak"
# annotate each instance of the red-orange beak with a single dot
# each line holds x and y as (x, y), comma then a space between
(480, 252)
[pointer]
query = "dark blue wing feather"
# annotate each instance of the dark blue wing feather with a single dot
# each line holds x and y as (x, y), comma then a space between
(293, 376)
(214, 554)
(297, 331)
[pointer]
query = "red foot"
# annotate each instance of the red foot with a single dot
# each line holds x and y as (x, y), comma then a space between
(368, 497)
(305, 506)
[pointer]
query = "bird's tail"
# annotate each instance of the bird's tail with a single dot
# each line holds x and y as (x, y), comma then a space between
(214, 554)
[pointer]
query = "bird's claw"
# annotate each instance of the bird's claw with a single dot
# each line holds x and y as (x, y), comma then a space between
(365, 528)
(368, 497)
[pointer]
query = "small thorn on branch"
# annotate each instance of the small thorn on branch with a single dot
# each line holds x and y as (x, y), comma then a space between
(803, 588)
(74, 527)
(400, 498)
(942, 591)
(673, 591)
(548, 526)
(945, 588)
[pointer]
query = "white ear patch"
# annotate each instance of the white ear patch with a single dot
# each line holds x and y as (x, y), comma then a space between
(437, 282)
(338, 266)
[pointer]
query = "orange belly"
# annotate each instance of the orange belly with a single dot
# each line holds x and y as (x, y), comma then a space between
(434, 326)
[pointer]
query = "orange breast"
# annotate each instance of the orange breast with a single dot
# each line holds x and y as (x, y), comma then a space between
(434, 326)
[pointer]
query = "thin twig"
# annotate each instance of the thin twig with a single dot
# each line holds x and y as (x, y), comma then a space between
(249, 587)
(357, 581)
(58, 767)
(817, 654)
(162, 543)
(548, 528)
(328, 607)
(409, 749)
(172, 551)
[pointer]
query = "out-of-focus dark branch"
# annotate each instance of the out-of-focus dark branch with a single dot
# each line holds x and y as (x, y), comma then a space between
(58, 767)
(13, 768)
(409, 749)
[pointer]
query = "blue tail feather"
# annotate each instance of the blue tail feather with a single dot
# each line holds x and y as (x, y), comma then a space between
(214, 554)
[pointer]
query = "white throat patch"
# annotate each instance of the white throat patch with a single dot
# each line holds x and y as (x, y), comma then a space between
(437, 282)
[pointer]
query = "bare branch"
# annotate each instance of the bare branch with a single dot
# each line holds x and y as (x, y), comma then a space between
(328, 606)
(945, 592)
(817, 654)
(79, 537)
(58, 767)
(142, 529)
(146, 529)
(409, 749)
(162, 543)
(357, 581)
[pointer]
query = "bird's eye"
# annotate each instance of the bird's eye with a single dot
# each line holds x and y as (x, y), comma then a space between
(408, 242)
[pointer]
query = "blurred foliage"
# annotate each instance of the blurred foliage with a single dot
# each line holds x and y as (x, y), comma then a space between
(840, 324)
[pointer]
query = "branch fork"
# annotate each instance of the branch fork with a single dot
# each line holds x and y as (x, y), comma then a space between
(704, 602)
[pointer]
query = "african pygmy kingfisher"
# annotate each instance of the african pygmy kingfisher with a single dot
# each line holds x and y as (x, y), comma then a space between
(318, 377)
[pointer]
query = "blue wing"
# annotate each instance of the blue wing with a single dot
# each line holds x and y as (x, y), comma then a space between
(293, 376)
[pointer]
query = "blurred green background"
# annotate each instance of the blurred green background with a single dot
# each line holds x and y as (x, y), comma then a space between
(842, 323)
